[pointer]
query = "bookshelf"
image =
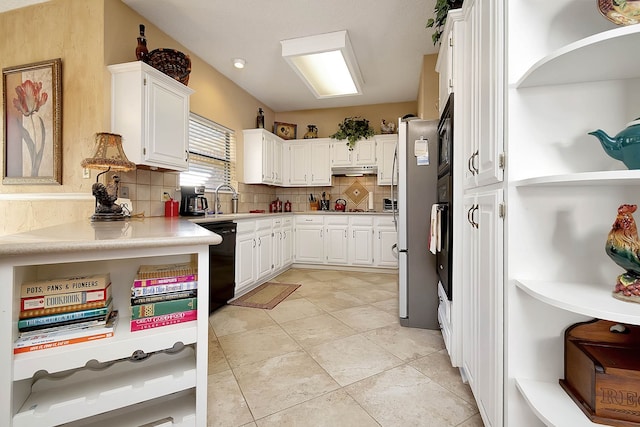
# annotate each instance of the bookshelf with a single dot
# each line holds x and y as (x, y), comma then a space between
(99, 382)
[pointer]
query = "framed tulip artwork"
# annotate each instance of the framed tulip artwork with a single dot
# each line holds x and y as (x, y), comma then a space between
(32, 108)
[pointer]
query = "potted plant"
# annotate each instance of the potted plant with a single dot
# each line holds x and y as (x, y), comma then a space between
(353, 129)
(441, 9)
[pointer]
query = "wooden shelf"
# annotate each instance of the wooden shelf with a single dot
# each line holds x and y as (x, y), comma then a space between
(593, 300)
(552, 404)
(602, 178)
(603, 56)
(120, 346)
(57, 400)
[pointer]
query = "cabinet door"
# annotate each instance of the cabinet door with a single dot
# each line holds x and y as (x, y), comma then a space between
(287, 246)
(264, 260)
(167, 139)
(319, 163)
(335, 241)
(340, 153)
(297, 164)
(245, 268)
(365, 152)
(309, 244)
(361, 245)
(276, 252)
(267, 159)
(276, 160)
(384, 255)
(386, 147)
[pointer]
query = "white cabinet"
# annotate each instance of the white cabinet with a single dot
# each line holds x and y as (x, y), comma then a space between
(386, 146)
(287, 241)
(151, 112)
(447, 63)
(482, 302)
(264, 246)
(363, 153)
(385, 237)
(245, 259)
(309, 246)
(360, 240)
(53, 386)
(308, 163)
(282, 252)
(336, 239)
(262, 157)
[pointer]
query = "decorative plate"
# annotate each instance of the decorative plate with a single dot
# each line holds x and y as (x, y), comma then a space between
(621, 12)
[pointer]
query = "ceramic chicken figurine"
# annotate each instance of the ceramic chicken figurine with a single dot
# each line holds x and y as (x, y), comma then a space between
(623, 247)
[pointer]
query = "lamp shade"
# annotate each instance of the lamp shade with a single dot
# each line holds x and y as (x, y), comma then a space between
(108, 154)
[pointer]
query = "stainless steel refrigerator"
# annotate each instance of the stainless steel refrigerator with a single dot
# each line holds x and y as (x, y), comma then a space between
(416, 163)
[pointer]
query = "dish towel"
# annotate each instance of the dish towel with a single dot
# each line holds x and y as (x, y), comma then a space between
(433, 229)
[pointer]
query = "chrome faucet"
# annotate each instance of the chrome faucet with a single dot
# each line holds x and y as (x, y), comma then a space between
(234, 198)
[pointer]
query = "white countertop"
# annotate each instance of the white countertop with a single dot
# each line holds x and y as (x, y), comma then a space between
(239, 216)
(87, 235)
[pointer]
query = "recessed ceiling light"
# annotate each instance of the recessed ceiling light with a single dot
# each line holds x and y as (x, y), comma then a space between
(238, 62)
(326, 63)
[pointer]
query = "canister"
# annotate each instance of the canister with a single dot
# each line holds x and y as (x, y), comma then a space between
(171, 208)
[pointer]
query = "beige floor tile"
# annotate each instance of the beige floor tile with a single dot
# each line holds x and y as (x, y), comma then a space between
(404, 397)
(226, 407)
(475, 421)
(231, 319)
(365, 317)
(353, 358)
(407, 343)
(255, 345)
(370, 294)
(217, 362)
(272, 385)
(437, 366)
(389, 305)
(317, 330)
(330, 410)
(294, 309)
(334, 300)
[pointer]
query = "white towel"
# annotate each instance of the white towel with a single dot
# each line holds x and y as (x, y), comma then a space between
(439, 230)
(433, 229)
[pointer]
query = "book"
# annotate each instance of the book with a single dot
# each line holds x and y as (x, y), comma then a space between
(163, 307)
(164, 297)
(99, 321)
(58, 300)
(64, 285)
(58, 319)
(162, 274)
(163, 289)
(59, 339)
(26, 314)
(163, 320)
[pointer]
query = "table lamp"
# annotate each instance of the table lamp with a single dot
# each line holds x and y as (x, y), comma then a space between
(109, 155)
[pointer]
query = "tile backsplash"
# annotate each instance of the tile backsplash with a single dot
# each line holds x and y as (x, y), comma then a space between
(146, 188)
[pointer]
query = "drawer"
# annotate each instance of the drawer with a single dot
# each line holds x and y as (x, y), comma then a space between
(338, 219)
(310, 219)
(287, 221)
(263, 224)
(384, 221)
(245, 226)
(364, 220)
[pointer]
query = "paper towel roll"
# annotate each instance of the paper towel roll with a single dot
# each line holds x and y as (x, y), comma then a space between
(371, 200)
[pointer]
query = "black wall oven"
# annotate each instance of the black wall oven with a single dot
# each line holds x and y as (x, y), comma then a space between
(445, 196)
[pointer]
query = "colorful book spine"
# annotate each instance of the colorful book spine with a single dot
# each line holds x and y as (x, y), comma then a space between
(141, 283)
(59, 300)
(164, 307)
(166, 270)
(100, 321)
(163, 289)
(163, 297)
(163, 320)
(57, 319)
(45, 338)
(64, 285)
(62, 309)
(62, 342)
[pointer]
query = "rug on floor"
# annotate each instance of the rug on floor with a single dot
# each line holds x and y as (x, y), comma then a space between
(266, 296)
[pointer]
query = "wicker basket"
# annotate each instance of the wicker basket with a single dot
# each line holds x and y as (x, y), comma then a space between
(171, 62)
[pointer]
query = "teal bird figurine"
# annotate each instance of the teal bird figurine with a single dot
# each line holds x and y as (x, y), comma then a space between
(623, 247)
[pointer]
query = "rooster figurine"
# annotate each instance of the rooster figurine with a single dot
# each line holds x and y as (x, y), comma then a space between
(623, 247)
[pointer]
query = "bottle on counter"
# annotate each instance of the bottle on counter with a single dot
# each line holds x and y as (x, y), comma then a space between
(287, 206)
(141, 49)
(278, 205)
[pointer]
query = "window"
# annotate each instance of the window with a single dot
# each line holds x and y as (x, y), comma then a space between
(211, 154)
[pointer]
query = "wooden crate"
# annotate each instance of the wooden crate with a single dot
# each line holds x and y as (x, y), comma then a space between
(602, 372)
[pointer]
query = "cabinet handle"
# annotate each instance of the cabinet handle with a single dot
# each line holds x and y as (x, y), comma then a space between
(354, 234)
(345, 234)
(254, 243)
(378, 234)
(469, 215)
(259, 241)
(186, 152)
(473, 163)
(321, 232)
(469, 167)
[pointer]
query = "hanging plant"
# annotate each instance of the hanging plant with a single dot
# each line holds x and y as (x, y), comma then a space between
(441, 9)
(352, 129)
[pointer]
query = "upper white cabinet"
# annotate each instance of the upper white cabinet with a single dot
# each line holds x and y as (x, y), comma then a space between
(385, 147)
(363, 153)
(151, 112)
(262, 157)
(307, 163)
(447, 64)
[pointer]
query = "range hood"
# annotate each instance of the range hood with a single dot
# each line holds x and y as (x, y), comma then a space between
(354, 170)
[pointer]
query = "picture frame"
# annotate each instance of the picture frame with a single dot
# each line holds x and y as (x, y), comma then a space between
(285, 130)
(32, 125)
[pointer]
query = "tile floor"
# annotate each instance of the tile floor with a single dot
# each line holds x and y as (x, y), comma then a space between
(332, 354)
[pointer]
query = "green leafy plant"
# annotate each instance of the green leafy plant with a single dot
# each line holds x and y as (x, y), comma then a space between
(441, 9)
(352, 129)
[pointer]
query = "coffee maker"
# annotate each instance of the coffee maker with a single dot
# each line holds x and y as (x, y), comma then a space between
(193, 202)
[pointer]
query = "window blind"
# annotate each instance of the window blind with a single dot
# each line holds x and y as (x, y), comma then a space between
(211, 154)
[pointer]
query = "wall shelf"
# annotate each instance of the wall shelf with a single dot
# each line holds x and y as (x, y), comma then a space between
(601, 178)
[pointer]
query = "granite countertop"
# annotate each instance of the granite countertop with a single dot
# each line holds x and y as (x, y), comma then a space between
(128, 234)
(239, 216)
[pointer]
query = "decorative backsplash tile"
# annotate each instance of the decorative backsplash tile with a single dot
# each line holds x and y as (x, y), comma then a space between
(356, 192)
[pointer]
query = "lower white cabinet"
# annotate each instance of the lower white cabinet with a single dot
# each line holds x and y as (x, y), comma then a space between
(286, 241)
(385, 237)
(309, 234)
(264, 243)
(360, 240)
(245, 259)
(336, 239)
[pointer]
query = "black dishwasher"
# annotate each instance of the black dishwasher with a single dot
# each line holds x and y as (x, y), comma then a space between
(222, 264)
